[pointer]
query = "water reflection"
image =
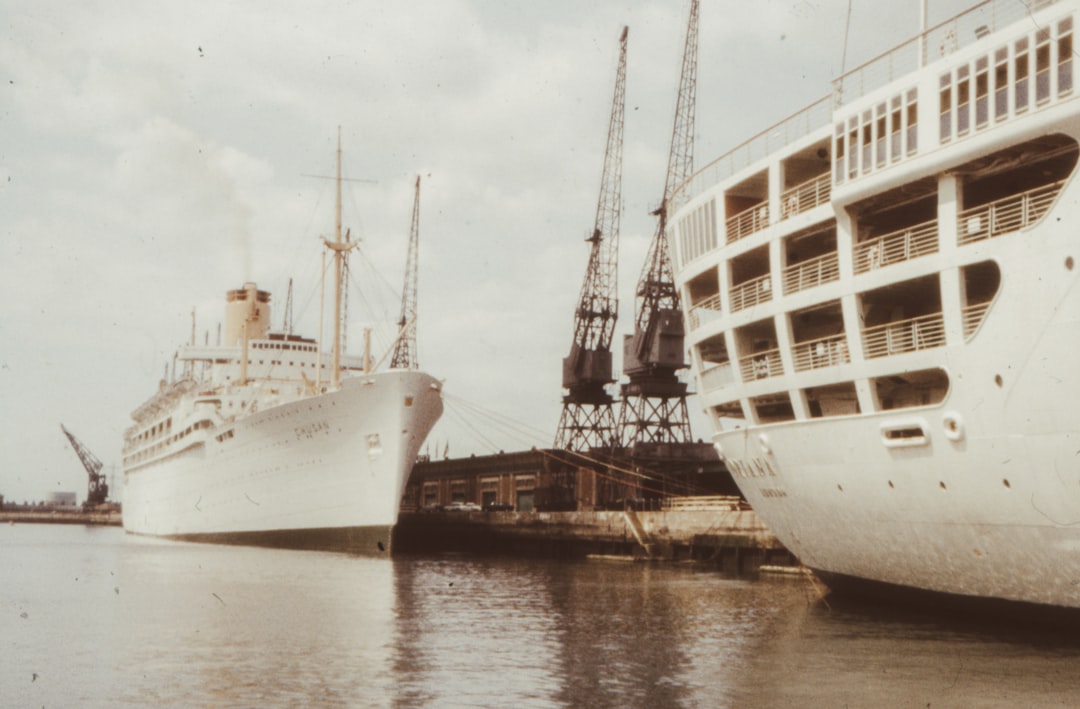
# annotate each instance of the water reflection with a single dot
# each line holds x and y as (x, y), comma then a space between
(533, 633)
(243, 626)
(99, 619)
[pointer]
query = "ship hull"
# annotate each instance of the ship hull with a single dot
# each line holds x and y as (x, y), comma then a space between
(371, 540)
(886, 340)
(984, 499)
(325, 472)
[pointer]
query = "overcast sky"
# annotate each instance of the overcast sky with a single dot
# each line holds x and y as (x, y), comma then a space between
(154, 155)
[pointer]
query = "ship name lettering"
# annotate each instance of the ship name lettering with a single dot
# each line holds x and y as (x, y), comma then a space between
(751, 468)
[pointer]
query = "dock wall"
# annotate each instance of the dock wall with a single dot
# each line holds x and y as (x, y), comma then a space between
(73, 516)
(735, 540)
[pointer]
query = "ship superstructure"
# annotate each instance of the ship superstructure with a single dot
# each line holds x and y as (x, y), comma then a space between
(883, 315)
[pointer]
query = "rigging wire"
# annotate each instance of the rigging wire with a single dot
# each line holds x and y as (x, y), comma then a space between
(520, 433)
(847, 27)
(524, 435)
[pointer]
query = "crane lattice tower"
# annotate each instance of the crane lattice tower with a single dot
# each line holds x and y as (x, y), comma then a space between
(654, 400)
(405, 349)
(588, 417)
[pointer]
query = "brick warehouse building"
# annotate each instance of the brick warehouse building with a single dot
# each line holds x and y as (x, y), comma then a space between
(548, 479)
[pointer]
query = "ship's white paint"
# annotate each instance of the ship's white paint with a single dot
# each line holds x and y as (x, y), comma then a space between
(265, 438)
(336, 460)
(259, 437)
(987, 501)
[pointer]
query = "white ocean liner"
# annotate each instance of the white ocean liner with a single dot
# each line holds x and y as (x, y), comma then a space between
(882, 298)
(263, 440)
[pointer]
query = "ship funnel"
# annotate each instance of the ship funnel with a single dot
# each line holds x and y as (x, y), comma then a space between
(247, 304)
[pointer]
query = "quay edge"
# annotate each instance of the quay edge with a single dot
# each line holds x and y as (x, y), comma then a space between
(735, 540)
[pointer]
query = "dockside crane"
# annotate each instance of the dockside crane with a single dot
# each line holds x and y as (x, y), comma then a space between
(405, 349)
(588, 418)
(653, 407)
(98, 491)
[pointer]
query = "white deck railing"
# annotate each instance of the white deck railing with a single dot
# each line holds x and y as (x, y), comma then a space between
(806, 196)
(719, 376)
(705, 311)
(899, 246)
(1006, 215)
(761, 365)
(747, 222)
(938, 41)
(749, 293)
(973, 316)
(822, 352)
(910, 335)
(795, 127)
(812, 272)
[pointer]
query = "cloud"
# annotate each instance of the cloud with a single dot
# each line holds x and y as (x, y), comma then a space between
(158, 153)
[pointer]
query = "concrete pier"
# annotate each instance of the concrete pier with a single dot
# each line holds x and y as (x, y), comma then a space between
(733, 539)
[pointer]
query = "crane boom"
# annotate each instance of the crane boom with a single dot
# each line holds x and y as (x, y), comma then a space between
(654, 401)
(98, 490)
(587, 419)
(405, 350)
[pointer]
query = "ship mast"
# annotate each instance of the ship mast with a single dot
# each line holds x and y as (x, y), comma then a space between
(340, 248)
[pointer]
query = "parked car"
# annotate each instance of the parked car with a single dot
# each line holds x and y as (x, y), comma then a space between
(498, 507)
(459, 506)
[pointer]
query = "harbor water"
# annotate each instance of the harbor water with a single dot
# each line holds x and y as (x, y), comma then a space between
(92, 617)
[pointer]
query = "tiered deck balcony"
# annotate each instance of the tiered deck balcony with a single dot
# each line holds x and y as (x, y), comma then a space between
(761, 365)
(1006, 215)
(902, 336)
(822, 352)
(719, 376)
(899, 246)
(811, 273)
(804, 197)
(750, 293)
(973, 316)
(705, 311)
(747, 222)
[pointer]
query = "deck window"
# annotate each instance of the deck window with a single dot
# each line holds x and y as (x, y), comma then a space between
(853, 142)
(982, 93)
(839, 151)
(1021, 81)
(1001, 84)
(895, 153)
(946, 108)
(867, 142)
(879, 135)
(1042, 66)
(963, 101)
(1065, 57)
(912, 122)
